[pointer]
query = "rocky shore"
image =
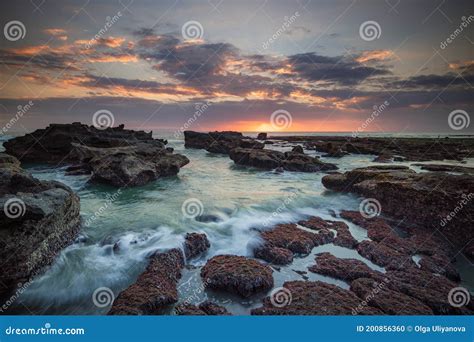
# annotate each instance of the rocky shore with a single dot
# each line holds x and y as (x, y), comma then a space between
(38, 219)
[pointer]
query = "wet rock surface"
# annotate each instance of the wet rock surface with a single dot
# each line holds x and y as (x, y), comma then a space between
(204, 309)
(270, 159)
(219, 142)
(237, 274)
(314, 298)
(343, 237)
(195, 244)
(37, 219)
(155, 288)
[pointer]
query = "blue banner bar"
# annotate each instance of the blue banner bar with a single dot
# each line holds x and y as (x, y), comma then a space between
(241, 328)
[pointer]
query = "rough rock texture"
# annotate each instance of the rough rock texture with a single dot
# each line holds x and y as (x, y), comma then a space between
(343, 237)
(411, 149)
(113, 156)
(237, 274)
(314, 298)
(377, 294)
(344, 269)
(219, 142)
(270, 159)
(446, 168)
(426, 199)
(262, 136)
(274, 255)
(154, 289)
(204, 309)
(195, 244)
(37, 220)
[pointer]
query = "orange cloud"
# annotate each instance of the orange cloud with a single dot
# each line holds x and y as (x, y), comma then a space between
(376, 55)
(56, 32)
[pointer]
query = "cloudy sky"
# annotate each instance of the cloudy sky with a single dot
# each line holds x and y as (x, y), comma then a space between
(326, 65)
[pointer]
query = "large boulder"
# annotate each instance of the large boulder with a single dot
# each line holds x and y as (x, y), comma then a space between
(237, 274)
(433, 200)
(155, 288)
(270, 159)
(37, 220)
(195, 244)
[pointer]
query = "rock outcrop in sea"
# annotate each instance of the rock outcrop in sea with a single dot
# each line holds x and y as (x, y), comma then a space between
(37, 219)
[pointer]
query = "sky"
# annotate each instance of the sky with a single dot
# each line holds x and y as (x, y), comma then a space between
(324, 66)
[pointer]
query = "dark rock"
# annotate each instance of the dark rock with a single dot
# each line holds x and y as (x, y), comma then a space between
(270, 159)
(314, 298)
(154, 289)
(204, 140)
(195, 244)
(204, 309)
(262, 136)
(446, 168)
(383, 158)
(344, 237)
(377, 294)
(344, 269)
(274, 255)
(237, 274)
(37, 220)
(298, 149)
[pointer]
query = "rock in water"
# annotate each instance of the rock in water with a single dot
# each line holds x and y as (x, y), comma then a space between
(195, 244)
(154, 289)
(237, 274)
(37, 219)
(262, 136)
(114, 156)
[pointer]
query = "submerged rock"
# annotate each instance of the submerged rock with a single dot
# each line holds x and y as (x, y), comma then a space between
(195, 244)
(154, 289)
(270, 159)
(343, 238)
(313, 298)
(37, 219)
(237, 274)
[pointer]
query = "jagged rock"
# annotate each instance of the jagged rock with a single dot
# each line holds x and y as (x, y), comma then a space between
(195, 244)
(274, 255)
(154, 289)
(313, 298)
(383, 158)
(270, 159)
(203, 140)
(297, 149)
(237, 274)
(377, 294)
(37, 219)
(344, 269)
(343, 238)
(262, 136)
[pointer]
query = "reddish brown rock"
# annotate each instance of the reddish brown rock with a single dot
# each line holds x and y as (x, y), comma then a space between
(237, 274)
(313, 298)
(344, 269)
(377, 294)
(291, 237)
(195, 244)
(274, 255)
(383, 255)
(343, 237)
(204, 309)
(154, 289)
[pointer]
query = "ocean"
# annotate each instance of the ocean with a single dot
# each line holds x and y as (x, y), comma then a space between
(122, 228)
